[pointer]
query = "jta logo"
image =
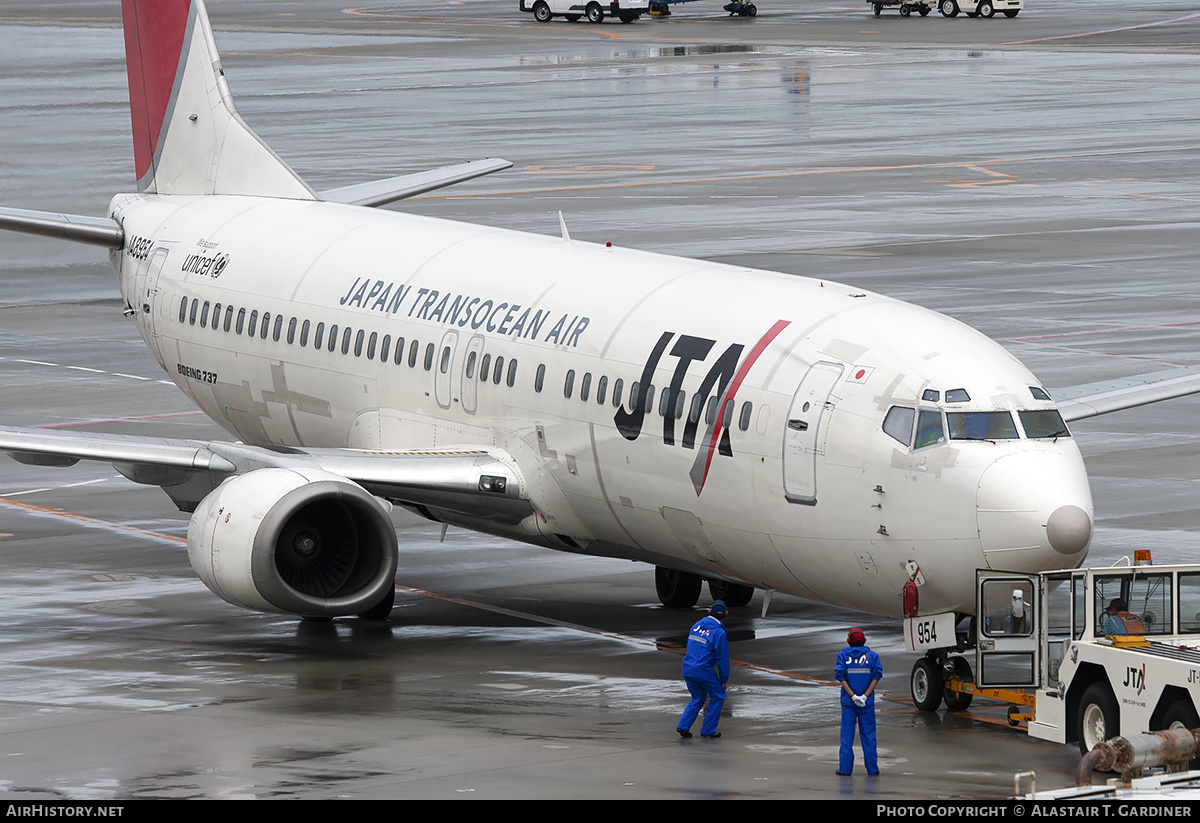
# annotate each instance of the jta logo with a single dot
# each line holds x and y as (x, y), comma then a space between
(717, 390)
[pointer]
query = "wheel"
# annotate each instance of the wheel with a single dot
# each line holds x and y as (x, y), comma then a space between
(629, 17)
(878, 9)
(956, 701)
(383, 609)
(949, 8)
(1099, 719)
(594, 13)
(923, 11)
(734, 595)
(751, 10)
(985, 9)
(905, 11)
(676, 589)
(1010, 13)
(926, 685)
(541, 12)
(573, 18)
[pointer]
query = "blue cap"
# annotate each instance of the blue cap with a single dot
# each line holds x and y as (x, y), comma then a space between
(717, 609)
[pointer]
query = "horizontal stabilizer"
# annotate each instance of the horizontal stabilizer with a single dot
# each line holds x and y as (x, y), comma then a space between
(1091, 399)
(382, 192)
(98, 231)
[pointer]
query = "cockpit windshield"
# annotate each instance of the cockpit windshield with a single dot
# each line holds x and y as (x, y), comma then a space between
(981, 426)
(1043, 424)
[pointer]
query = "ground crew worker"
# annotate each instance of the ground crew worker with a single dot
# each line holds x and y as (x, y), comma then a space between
(858, 669)
(706, 671)
(1120, 621)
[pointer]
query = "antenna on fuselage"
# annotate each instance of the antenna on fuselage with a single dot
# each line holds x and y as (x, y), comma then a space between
(562, 224)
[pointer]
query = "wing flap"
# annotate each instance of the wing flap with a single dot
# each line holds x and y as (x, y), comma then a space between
(382, 192)
(1092, 399)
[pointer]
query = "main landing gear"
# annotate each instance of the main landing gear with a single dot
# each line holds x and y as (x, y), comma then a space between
(681, 590)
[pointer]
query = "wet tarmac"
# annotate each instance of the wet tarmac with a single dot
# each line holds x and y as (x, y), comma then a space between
(1037, 178)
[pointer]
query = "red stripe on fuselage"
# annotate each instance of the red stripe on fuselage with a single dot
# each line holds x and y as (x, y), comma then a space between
(734, 385)
(154, 39)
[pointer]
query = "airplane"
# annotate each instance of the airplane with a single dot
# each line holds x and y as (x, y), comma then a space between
(751, 429)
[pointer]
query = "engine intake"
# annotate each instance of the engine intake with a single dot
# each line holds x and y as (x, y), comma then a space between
(295, 541)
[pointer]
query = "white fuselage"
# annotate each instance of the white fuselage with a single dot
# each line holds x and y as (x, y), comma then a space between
(829, 507)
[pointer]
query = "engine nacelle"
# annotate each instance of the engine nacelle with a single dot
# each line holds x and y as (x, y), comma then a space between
(295, 541)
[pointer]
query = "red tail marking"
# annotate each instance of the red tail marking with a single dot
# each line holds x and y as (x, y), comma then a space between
(154, 39)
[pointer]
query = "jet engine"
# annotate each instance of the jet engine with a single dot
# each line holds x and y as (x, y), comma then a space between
(295, 541)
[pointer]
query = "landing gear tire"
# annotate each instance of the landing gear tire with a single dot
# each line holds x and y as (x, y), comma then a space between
(541, 12)
(383, 609)
(1099, 719)
(676, 589)
(594, 13)
(957, 701)
(986, 9)
(732, 595)
(926, 685)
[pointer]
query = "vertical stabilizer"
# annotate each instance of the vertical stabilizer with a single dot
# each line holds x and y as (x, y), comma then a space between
(187, 137)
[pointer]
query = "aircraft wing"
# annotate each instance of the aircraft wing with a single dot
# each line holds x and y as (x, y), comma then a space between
(478, 482)
(382, 192)
(1091, 399)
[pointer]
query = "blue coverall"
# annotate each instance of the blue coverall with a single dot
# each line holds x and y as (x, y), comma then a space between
(858, 666)
(706, 648)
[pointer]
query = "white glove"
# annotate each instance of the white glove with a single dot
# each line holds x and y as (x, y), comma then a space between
(859, 700)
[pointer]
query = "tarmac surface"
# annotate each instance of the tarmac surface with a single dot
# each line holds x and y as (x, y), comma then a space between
(1037, 178)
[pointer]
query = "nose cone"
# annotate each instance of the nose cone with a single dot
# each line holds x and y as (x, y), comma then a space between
(1035, 509)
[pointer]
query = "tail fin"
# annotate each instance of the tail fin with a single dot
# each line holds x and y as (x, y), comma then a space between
(187, 137)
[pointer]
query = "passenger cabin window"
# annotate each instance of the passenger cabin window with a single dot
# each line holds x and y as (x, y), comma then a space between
(183, 306)
(471, 358)
(333, 333)
(744, 418)
(429, 350)
(304, 334)
(346, 341)
(204, 315)
(485, 367)
(444, 366)
(371, 342)
(898, 424)
(385, 348)
(539, 377)
(412, 354)
(498, 371)
(241, 320)
(569, 384)
(319, 336)
(585, 386)
(192, 316)
(278, 331)
(266, 325)
(512, 373)
(228, 317)
(618, 386)
(601, 389)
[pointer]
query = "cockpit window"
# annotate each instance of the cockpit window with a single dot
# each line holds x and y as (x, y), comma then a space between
(929, 429)
(898, 424)
(957, 396)
(1043, 424)
(1038, 393)
(981, 425)
(931, 395)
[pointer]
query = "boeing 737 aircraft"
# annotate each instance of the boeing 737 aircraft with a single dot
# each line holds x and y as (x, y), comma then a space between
(752, 429)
